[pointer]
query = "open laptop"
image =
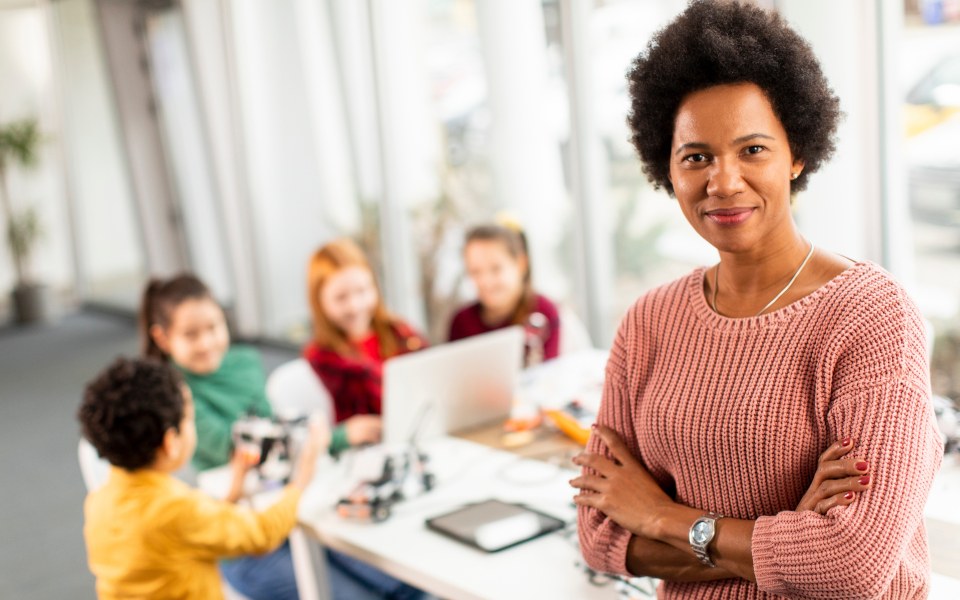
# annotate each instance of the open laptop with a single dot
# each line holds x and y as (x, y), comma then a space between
(451, 387)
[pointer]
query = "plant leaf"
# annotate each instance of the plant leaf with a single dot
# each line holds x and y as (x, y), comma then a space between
(20, 143)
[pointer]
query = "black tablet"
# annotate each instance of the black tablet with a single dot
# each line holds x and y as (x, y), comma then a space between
(493, 525)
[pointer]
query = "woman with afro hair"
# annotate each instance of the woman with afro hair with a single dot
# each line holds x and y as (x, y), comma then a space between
(766, 426)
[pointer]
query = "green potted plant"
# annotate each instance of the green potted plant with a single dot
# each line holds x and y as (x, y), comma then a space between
(20, 145)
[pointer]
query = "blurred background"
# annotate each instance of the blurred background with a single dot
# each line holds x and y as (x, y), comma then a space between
(233, 137)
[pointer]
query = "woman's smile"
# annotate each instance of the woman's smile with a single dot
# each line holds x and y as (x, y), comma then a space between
(729, 217)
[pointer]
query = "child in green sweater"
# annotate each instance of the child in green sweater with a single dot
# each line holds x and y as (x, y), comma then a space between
(182, 323)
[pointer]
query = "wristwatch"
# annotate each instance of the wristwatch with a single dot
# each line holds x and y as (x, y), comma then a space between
(701, 534)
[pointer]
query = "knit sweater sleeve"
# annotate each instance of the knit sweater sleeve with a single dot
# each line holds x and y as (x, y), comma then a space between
(603, 542)
(213, 436)
(880, 398)
(260, 403)
(551, 346)
(460, 326)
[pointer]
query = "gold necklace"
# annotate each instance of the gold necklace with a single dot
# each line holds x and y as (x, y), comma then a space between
(716, 280)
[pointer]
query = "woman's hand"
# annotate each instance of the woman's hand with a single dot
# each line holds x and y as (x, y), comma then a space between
(363, 429)
(836, 482)
(620, 488)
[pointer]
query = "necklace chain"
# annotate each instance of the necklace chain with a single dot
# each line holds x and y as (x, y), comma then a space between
(716, 280)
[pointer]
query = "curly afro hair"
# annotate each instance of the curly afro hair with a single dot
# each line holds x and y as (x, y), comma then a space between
(715, 42)
(128, 409)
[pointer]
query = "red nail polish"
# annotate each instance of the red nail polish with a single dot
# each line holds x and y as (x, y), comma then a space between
(848, 495)
(862, 465)
(864, 480)
(593, 426)
(845, 442)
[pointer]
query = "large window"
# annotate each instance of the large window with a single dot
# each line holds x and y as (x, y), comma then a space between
(652, 242)
(29, 92)
(295, 202)
(499, 109)
(929, 88)
(186, 147)
(110, 252)
(109, 248)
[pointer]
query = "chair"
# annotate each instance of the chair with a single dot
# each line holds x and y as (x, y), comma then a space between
(93, 468)
(294, 390)
(573, 333)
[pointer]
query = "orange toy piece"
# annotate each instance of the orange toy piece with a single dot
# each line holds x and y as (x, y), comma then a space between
(569, 426)
(522, 423)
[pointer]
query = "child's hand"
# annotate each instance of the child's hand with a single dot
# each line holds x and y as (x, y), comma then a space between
(244, 458)
(242, 461)
(364, 429)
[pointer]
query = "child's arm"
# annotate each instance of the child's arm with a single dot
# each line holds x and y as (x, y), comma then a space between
(216, 529)
(261, 405)
(213, 437)
(220, 529)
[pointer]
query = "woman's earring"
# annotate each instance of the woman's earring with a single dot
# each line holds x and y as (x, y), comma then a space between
(794, 175)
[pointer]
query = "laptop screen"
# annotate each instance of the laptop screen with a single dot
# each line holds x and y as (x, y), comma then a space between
(451, 387)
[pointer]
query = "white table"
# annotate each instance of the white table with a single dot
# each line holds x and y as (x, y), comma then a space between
(402, 546)
(943, 530)
(546, 567)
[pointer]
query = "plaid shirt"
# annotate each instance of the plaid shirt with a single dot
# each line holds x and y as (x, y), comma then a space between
(356, 382)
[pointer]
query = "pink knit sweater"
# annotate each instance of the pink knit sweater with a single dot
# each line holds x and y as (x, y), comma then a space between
(730, 415)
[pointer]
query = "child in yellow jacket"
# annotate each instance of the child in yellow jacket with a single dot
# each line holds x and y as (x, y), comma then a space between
(148, 534)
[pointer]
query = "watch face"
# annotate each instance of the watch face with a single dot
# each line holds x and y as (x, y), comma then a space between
(702, 532)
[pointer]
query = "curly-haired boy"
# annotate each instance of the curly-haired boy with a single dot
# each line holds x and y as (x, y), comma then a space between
(148, 534)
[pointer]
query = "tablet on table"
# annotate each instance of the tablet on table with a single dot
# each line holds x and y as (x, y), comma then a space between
(493, 525)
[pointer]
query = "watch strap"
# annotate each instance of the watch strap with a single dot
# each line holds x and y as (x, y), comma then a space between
(702, 551)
